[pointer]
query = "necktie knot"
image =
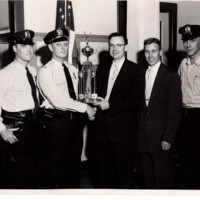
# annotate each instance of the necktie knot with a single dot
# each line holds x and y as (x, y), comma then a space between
(64, 65)
(149, 70)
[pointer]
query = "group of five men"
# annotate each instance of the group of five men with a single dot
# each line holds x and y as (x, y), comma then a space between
(138, 109)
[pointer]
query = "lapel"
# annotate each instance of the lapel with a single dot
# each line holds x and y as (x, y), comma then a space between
(104, 79)
(157, 83)
(143, 103)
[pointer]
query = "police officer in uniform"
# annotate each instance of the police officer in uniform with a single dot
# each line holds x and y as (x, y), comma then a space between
(189, 138)
(18, 127)
(63, 114)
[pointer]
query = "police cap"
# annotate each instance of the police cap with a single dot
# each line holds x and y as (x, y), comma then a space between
(189, 32)
(22, 37)
(56, 36)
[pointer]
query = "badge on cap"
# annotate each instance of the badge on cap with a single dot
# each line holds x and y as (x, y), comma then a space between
(27, 34)
(59, 32)
(188, 30)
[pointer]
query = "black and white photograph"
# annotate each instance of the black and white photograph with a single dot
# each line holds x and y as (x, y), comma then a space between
(100, 97)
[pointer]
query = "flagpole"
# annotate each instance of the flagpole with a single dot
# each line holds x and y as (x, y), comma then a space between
(71, 40)
(65, 10)
(71, 45)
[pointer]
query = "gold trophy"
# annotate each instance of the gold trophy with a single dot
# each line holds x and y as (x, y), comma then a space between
(87, 77)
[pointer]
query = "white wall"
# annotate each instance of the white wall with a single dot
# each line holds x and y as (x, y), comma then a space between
(188, 13)
(96, 16)
(142, 22)
(99, 17)
(40, 15)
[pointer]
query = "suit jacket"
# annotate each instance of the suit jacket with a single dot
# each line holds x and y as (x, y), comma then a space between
(159, 120)
(120, 121)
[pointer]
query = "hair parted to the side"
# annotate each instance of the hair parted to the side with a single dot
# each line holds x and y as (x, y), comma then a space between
(116, 34)
(153, 40)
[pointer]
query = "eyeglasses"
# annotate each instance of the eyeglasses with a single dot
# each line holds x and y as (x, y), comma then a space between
(116, 45)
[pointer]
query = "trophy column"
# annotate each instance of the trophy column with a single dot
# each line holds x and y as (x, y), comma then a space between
(87, 77)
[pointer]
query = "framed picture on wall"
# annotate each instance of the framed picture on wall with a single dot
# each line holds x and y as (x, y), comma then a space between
(99, 44)
(11, 20)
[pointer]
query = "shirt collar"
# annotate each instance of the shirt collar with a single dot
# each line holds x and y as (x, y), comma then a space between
(120, 63)
(57, 63)
(20, 67)
(18, 64)
(155, 67)
(196, 62)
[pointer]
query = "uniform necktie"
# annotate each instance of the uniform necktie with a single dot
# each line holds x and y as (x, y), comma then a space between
(69, 82)
(33, 88)
(148, 87)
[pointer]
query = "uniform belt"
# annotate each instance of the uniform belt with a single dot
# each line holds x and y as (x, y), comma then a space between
(191, 111)
(59, 114)
(19, 116)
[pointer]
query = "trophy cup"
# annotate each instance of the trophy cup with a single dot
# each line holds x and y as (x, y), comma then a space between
(87, 77)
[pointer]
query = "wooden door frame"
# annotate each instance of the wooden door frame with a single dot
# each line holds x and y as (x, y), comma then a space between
(122, 17)
(171, 9)
(16, 18)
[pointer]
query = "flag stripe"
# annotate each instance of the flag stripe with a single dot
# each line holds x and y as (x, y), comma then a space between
(65, 19)
(69, 15)
(60, 14)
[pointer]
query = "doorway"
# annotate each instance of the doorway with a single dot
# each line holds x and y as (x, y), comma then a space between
(168, 33)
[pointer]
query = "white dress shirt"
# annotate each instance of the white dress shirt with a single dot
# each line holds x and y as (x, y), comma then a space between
(114, 71)
(53, 84)
(150, 79)
(15, 89)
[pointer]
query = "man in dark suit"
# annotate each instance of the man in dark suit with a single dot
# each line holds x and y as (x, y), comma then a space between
(113, 138)
(159, 120)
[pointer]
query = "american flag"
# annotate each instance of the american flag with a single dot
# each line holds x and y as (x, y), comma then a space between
(65, 19)
(64, 16)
